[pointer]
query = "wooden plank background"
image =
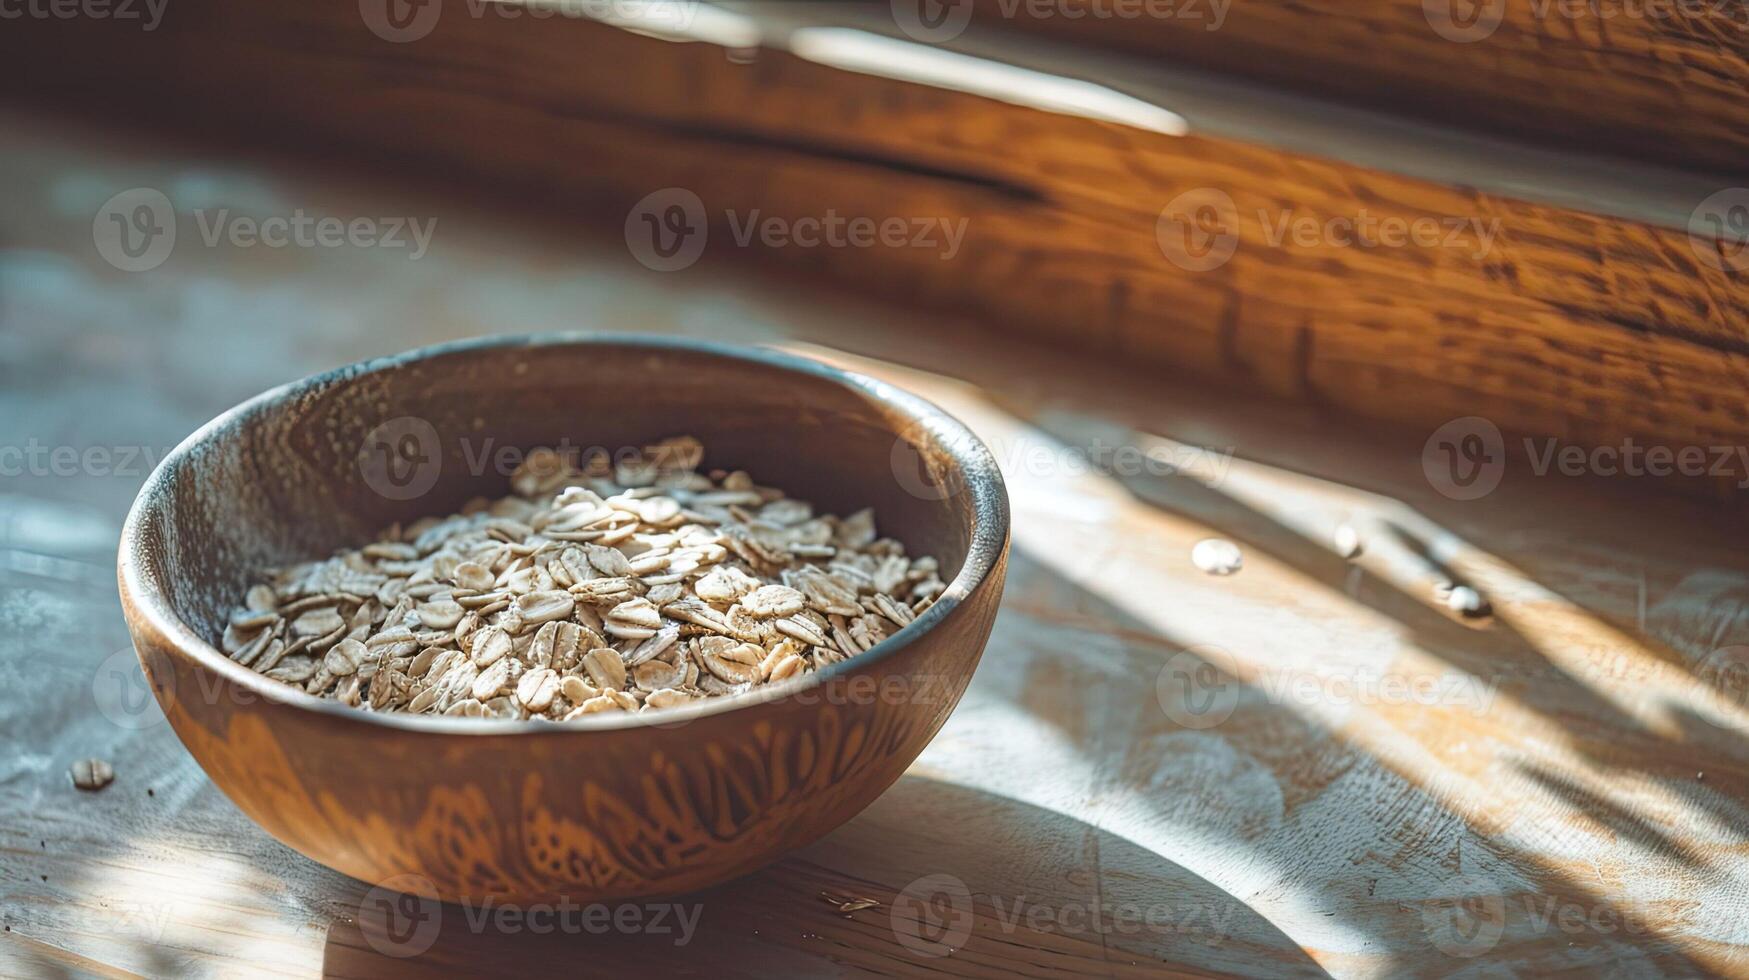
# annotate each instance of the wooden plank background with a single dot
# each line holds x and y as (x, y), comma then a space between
(1659, 80)
(1593, 324)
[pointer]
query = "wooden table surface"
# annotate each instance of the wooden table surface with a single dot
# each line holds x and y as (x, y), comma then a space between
(1309, 767)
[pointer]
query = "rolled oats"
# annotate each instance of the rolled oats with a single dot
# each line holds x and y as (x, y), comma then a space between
(773, 600)
(537, 688)
(489, 646)
(603, 588)
(92, 774)
(605, 668)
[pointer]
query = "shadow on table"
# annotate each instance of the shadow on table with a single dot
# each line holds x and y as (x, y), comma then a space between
(1431, 848)
(952, 900)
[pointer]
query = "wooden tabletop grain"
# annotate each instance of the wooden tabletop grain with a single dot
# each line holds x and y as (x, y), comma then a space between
(1312, 766)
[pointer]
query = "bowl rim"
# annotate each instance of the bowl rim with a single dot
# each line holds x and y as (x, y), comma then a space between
(148, 611)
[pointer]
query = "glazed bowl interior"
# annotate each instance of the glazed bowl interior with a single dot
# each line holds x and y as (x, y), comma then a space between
(291, 475)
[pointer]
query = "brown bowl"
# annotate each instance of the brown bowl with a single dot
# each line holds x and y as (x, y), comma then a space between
(609, 807)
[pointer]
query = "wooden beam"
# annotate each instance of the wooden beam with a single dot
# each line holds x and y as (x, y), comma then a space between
(1657, 80)
(1547, 317)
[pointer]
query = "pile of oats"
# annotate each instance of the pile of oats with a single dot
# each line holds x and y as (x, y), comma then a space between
(596, 586)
